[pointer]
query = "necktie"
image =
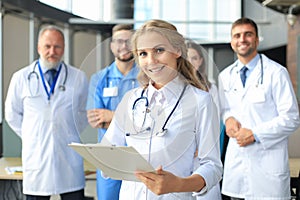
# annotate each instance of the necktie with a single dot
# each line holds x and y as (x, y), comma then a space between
(243, 75)
(50, 76)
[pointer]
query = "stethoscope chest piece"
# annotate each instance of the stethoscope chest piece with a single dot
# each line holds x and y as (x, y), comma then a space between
(62, 88)
(162, 132)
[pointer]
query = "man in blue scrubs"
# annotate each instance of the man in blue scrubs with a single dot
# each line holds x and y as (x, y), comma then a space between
(106, 89)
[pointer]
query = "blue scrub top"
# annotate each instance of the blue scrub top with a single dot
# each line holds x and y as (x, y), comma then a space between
(108, 189)
(107, 78)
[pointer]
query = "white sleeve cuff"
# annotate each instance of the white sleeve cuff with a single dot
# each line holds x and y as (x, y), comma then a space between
(201, 192)
(104, 176)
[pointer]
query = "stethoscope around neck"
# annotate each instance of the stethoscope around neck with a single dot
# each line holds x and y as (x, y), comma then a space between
(261, 70)
(163, 130)
(261, 73)
(33, 73)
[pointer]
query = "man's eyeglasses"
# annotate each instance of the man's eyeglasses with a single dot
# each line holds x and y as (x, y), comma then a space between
(121, 42)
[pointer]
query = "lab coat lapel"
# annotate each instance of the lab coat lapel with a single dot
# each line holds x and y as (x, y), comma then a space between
(251, 80)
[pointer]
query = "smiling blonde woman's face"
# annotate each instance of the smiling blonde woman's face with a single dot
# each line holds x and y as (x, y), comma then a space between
(157, 58)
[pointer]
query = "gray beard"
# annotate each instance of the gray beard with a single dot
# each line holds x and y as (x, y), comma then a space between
(47, 64)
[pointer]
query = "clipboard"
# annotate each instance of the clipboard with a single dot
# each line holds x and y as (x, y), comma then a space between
(119, 163)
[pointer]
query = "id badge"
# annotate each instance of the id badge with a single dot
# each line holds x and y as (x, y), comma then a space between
(110, 92)
(47, 113)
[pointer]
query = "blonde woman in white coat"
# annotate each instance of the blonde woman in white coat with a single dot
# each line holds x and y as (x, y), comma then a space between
(177, 99)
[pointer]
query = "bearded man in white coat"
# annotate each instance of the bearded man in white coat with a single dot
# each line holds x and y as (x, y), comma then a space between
(47, 116)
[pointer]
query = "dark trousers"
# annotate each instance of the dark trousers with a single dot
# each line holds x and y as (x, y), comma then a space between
(76, 195)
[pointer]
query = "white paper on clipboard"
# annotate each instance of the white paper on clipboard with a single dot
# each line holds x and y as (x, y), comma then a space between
(119, 163)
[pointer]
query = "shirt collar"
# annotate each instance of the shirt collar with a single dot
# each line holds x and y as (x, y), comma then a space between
(250, 65)
(114, 72)
(170, 91)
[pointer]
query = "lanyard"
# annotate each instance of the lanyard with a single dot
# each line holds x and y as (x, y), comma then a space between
(49, 93)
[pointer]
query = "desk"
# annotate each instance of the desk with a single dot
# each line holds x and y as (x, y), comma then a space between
(9, 162)
(16, 161)
(295, 179)
(12, 183)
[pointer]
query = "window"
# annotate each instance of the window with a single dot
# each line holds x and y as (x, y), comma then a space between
(201, 20)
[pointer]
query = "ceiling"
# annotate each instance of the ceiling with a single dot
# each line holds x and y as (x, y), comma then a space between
(283, 6)
(47, 14)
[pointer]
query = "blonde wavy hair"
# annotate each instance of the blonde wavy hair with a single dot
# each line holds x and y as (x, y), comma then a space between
(169, 31)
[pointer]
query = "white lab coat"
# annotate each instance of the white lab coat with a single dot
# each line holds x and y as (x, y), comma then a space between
(214, 193)
(47, 127)
(213, 91)
(270, 110)
(193, 125)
